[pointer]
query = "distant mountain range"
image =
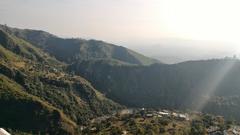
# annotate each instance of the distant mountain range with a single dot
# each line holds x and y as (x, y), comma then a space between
(76, 49)
(43, 76)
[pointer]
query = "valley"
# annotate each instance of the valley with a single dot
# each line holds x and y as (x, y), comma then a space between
(53, 85)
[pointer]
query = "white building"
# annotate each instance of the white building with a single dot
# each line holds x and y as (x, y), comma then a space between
(184, 116)
(163, 113)
(126, 111)
(149, 115)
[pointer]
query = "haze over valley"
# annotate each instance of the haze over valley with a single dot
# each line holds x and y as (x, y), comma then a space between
(155, 28)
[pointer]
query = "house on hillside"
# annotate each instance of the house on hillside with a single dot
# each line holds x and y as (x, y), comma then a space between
(232, 131)
(126, 111)
(149, 115)
(163, 113)
(184, 117)
(174, 114)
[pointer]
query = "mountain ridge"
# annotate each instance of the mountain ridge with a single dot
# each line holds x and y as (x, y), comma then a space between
(76, 49)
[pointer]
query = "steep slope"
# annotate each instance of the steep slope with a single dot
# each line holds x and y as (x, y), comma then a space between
(43, 77)
(24, 112)
(73, 50)
(210, 86)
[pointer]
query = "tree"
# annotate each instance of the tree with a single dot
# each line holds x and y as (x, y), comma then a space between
(197, 128)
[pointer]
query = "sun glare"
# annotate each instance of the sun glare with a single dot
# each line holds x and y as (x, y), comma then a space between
(216, 20)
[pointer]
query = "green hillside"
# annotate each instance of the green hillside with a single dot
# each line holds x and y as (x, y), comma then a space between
(40, 84)
(23, 112)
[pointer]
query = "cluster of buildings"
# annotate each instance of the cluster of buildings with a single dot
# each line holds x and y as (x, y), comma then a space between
(214, 130)
(155, 113)
(235, 130)
(158, 113)
(164, 113)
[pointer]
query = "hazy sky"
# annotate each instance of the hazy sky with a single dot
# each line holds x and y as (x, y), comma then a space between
(139, 24)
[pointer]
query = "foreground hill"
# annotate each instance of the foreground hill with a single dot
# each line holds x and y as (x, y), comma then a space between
(73, 50)
(21, 111)
(47, 100)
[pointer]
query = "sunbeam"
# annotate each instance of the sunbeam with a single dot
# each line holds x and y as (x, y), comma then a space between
(207, 87)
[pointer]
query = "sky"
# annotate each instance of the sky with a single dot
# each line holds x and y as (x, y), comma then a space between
(171, 30)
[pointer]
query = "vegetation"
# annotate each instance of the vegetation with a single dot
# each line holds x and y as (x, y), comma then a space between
(40, 80)
(24, 112)
(38, 96)
(195, 85)
(138, 124)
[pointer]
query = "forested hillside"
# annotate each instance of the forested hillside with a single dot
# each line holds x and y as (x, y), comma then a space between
(211, 86)
(45, 97)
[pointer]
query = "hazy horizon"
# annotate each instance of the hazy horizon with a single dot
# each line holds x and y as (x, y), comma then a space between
(169, 30)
